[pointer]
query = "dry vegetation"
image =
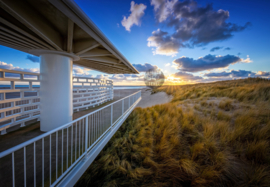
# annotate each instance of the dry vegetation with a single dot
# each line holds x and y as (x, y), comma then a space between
(215, 134)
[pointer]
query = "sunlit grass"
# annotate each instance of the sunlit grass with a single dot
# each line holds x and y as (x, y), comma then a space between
(215, 134)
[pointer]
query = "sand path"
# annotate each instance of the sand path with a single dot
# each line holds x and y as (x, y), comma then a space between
(149, 100)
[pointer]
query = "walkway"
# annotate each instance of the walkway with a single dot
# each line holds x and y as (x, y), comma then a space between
(57, 156)
(17, 135)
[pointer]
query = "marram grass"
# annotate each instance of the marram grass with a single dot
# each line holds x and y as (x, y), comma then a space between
(215, 134)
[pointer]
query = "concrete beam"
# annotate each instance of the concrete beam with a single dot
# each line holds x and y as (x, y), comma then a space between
(81, 47)
(23, 33)
(96, 53)
(104, 59)
(26, 15)
(24, 38)
(13, 38)
(70, 36)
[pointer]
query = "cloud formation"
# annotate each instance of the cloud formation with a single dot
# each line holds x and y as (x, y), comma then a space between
(193, 25)
(186, 76)
(137, 11)
(215, 48)
(4, 65)
(81, 71)
(102, 76)
(162, 8)
(33, 58)
(232, 73)
(118, 77)
(77, 71)
(263, 74)
(145, 67)
(164, 44)
(227, 48)
(218, 74)
(242, 73)
(247, 60)
(207, 62)
(135, 78)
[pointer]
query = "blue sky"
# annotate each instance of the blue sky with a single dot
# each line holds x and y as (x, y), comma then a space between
(249, 40)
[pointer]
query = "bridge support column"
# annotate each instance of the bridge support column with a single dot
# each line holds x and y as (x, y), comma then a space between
(56, 86)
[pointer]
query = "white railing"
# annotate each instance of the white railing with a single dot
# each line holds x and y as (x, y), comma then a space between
(89, 92)
(19, 98)
(59, 157)
(20, 101)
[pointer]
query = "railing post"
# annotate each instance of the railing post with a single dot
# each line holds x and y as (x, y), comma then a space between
(21, 76)
(122, 106)
(111, 114)
(86, 133)
(12, 85)
(30, 85)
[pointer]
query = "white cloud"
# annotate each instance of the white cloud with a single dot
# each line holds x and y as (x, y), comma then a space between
(191, 25)
(77, 71)
(127, 77)
(102, 76)
(207, 62)
(232, 74)
(137, 11)
(145, 67)
(5, 65)
(247, 60)
(163, 8)
(263, 74)
(81, 71)
(186, 76)
(86, 69)
(175, 66)
(164, 44)
(168, 64)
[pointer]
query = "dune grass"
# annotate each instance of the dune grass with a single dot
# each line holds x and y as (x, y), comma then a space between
(214, 134)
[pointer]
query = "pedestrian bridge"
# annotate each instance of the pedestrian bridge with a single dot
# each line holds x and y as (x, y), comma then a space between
(62, 35)
(60, 157)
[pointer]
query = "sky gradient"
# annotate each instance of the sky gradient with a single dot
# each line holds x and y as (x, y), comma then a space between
(190, 41)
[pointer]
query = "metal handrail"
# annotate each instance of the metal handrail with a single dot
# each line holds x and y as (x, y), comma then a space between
(13, 149)
(86, 134)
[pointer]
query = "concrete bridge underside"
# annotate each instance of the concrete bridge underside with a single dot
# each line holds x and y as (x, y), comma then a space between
(62, 35)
